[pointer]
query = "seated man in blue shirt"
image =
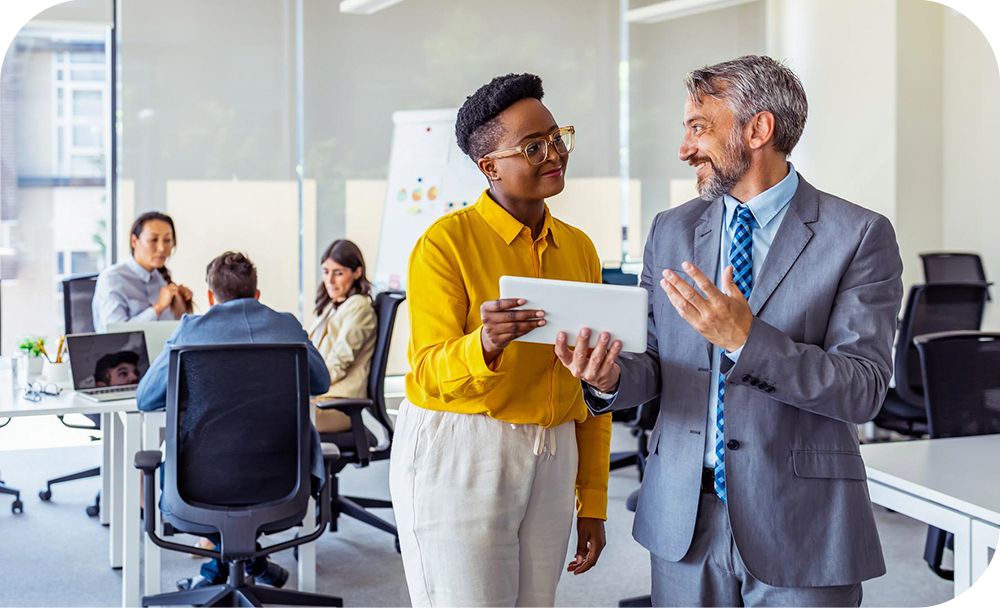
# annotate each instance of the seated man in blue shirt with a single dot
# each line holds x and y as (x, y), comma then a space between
(236, 317)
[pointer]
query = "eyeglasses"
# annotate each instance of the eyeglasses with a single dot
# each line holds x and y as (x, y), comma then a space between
(537, 150)
(36, 390)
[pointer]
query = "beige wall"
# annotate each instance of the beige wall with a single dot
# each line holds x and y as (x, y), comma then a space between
(971, 110)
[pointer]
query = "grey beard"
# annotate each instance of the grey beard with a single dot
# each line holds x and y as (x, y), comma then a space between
(735, 164)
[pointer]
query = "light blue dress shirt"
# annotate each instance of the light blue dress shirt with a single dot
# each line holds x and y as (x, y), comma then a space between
(768, 209)
(127, 292)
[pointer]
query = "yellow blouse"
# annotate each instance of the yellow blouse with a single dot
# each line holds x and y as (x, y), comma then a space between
(455, 267)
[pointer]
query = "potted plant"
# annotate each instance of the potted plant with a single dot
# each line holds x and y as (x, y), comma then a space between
(33, 349)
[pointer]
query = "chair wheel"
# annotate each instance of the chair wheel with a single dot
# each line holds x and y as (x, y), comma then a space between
(17, 507)
(45, 495)
(398, 550)
(93, 510)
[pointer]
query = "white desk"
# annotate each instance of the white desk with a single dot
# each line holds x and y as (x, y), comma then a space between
(126, 431)
(952, 484)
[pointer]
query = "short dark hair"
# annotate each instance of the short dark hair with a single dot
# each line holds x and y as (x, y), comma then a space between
(477, 128)
(102, 371)
(231, 276)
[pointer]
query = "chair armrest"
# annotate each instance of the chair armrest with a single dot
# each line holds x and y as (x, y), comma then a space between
(344, 405)
(148, 460)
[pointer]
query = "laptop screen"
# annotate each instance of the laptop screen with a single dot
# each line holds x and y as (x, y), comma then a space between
(103, 360)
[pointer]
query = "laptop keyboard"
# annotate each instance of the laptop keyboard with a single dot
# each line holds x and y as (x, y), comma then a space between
(112, 389)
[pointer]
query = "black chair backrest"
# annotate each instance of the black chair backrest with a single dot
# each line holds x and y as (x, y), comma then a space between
(931, 309)
(616, 276)
(953, 267)
(78, 297)
(386, 305)
(961, 372)
(947, 267)
(238, 438)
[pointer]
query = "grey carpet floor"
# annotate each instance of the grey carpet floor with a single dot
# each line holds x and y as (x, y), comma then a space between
(54, 555)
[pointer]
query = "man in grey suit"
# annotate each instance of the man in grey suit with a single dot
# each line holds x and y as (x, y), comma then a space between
(772, 312)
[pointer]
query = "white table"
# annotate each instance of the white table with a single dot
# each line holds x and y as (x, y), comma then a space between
(952, 484)
(127, 431)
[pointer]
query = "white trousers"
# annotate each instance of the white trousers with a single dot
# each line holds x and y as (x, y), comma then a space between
(484, 508)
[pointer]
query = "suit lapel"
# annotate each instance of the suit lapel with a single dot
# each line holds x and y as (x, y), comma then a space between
(707, 233)
(789, 241)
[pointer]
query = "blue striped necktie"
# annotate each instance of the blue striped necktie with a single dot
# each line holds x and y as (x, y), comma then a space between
(741, 257)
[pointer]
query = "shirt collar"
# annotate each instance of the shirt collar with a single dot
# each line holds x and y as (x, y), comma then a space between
(142, 273)
(766, 205)
(506, 225)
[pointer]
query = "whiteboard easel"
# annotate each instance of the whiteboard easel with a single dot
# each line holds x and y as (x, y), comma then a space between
(428, 177)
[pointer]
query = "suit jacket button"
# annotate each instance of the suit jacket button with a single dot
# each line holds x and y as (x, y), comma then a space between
(764, 386)
(770, 389)
(732, 444)
(755, 382)
(746, 377)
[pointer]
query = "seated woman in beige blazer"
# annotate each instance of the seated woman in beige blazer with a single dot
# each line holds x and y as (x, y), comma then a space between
(344, 330)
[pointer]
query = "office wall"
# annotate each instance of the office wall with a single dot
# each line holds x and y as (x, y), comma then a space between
(844, 51)
(919, 126)
(971, 181)
(425, 54)
(661, 55)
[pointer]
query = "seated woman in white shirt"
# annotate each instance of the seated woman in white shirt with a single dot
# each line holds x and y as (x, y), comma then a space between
(344, 330)
(140, 288)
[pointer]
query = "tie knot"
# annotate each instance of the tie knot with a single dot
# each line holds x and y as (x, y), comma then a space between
(744, 215)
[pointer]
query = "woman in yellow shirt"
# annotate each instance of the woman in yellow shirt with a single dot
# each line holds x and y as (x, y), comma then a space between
(344, 329)
(493, 441)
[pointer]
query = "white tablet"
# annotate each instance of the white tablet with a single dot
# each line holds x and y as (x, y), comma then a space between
(570, 306)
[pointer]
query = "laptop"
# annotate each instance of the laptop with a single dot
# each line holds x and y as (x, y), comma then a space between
(157, 333)
(107, 367)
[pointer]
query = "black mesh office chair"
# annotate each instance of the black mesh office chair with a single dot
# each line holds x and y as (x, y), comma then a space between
(952, 267)
(239, 454)
(961, 372)
(17, 506)
(929, 309)
(359, 446)
(78, 318)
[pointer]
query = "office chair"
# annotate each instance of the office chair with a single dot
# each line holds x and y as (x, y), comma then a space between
(951, 267)
(239, 454)
(78, 318)
(929, 308)
(358, 446)
(17, 506)
(961, 373)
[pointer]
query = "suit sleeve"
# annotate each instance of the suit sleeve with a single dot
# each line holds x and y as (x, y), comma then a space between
(640, 372)
(847, 378)
(151, 394)
(446, 360)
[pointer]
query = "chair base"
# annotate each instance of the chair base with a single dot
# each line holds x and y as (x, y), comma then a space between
(92, 510)
(241, 595)
(16, 507)
(620, 460)
(357, 508)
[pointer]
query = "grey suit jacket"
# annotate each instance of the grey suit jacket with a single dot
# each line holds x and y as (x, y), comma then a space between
(817, 363)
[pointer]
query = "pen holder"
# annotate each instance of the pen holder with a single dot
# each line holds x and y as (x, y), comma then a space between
(56, 373)
(29, 369)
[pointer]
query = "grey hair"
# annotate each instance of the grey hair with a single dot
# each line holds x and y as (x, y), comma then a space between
(753, 84)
